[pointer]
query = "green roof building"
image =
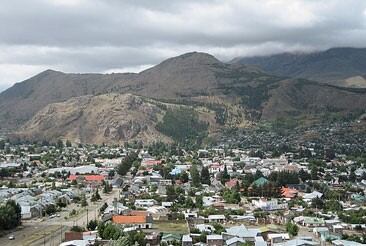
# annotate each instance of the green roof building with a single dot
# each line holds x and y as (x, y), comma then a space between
(260, 182)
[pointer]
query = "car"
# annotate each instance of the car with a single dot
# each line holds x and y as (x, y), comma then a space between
(11, 237)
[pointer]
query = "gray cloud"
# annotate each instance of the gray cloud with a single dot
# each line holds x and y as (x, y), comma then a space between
(112, 35)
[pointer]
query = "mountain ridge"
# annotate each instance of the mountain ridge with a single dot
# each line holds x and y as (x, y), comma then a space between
(333, 66)
(235, 93)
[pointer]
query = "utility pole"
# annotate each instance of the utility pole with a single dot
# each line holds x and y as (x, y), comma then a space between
(61, 234)
(87, 217)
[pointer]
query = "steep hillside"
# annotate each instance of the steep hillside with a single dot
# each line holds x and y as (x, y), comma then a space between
(108, 118)
(294, 98)
(188, 75)
(20, 102)
(333, 66)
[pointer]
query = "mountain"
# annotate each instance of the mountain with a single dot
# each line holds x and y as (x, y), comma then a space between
(337, 66)
(191, 74)
(20, 102)
(54, 104)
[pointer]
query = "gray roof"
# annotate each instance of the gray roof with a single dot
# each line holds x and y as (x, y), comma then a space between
(234, 240)
(297, 242)
(242, 231)
(187, 238)
(214, 237)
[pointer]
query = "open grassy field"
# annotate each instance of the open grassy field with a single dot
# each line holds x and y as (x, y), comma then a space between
(177, 227)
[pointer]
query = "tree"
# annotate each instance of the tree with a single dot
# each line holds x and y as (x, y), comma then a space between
(10, 215)
(126, 163)
(171, 194)
(284, 178)
(95, 197)
(184, 177)
(122, 241)
(189, 203)
(109, 231)
(2, 144)
(68, 143)
(218, 228)
(352, 176)
(107, 187)
(92, 225)
(137, 238)
(196, 180)
(61, 204)
(314, 173)
(59, 144)
(76, 228)
(225, 176)
(111, 173)
(292, 229)
(333, 205)
(83, 202)
(258, 174)
(231, 196)
(50, 209)
(317, 203)
(199, 201)
(205, 176)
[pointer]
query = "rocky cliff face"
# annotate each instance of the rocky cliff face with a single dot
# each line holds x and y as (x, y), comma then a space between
(108, 118)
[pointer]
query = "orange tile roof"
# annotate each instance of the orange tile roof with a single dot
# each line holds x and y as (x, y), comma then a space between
(87, 177)
(129, 219)
(72, 177)
(288, 192)
(94, 177)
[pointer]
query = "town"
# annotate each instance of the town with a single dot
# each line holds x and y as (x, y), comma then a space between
(259, 188)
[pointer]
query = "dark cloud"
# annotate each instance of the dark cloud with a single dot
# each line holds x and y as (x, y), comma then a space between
(107, 35)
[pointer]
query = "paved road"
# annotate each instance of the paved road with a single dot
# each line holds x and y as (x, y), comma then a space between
(49, 231)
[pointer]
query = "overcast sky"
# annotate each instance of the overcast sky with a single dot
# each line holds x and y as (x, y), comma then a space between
(131, 35)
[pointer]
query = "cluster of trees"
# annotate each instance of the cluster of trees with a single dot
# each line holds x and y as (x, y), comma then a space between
(231, 196)
(359, 239)
(160, 148)
(130, 160)
(176, 194)
(266, 190)
(224, 176)
(92, 225)
(183, 125)
(354, 216)
(7, 172)
(283, 178)
(95, 197)
(200, 178)
(111, 231)
(292, 229)
(107, 187)
(10, 215)
(329, 205)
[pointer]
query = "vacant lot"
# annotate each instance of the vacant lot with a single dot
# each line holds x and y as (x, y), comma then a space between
(177, 227)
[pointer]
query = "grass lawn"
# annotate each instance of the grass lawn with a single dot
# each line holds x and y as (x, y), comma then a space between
(177, 227)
